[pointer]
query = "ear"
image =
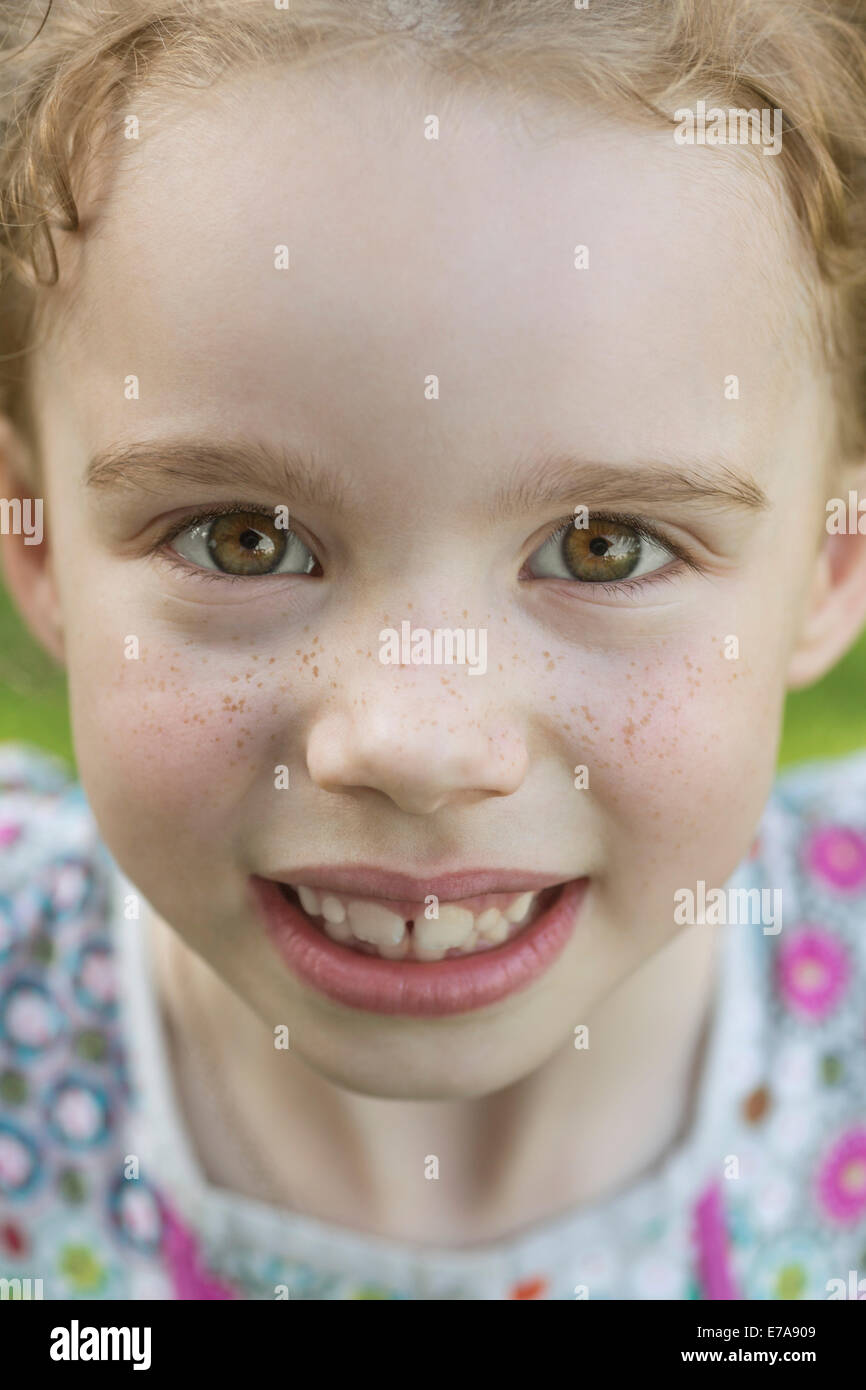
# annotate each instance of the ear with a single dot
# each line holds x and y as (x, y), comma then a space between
(836, 608)
(26, 550)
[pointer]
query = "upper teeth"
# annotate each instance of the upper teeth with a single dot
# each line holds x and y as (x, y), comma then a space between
(455, 927)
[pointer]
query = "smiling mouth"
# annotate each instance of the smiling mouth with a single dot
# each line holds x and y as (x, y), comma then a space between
(399, 930)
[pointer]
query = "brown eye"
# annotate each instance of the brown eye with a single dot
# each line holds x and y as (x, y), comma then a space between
(244, 544)
(603, 550)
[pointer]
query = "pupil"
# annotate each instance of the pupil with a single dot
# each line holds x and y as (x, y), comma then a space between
(599, 546)
(249, 539)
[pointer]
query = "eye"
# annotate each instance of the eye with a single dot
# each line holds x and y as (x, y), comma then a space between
(242, 543)
(602, 551)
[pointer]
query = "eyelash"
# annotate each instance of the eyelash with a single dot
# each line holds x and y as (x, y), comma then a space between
(636, 524)
(176, 562)
(646, 532)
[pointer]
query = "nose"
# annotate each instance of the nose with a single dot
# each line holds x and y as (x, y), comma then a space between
(421, 759)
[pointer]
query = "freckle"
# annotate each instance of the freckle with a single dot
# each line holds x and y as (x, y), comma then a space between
(551, 666)
(315, 670)
(272, 660)
(306, 658)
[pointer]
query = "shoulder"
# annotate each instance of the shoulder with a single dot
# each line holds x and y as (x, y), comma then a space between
(812, 847)
(812, 850)
(44, 818)
(63, 1080)
(804, 1123)
(52, 874)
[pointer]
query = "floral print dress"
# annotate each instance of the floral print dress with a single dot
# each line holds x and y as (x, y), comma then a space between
(102, 1197)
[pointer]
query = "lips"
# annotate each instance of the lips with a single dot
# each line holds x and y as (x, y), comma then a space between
(406, 948)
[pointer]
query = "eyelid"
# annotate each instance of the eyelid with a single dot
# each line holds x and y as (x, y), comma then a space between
(200, 518)
(646, 530)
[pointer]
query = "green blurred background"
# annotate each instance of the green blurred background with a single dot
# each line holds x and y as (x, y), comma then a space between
(827, 720)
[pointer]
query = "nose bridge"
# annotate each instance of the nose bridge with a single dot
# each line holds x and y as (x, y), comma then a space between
(423, 737)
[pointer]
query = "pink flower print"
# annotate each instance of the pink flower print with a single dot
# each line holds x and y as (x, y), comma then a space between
(813, 972)
(842, 1178)
(191, 1281)
(9, 833)
(838, 855)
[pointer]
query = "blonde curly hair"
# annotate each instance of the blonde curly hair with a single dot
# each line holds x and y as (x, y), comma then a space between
(68, 68)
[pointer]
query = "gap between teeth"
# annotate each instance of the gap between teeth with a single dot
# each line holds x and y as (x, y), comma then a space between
(456, 928)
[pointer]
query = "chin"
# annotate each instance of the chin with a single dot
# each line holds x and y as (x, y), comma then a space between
(465, 1066)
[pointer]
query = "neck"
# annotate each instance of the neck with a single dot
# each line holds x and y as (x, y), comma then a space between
(581, 1126)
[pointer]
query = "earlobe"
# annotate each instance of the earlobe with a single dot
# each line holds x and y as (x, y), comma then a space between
(26, 549)
(836, 609)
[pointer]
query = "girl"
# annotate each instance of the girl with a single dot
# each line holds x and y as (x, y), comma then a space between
(343, 343)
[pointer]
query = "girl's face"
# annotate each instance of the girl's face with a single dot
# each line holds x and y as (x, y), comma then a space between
(447, 378)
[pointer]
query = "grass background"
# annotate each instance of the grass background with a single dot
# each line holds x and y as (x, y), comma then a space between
(824, 721)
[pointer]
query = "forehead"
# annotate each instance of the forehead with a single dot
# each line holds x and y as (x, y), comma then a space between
(410, 256)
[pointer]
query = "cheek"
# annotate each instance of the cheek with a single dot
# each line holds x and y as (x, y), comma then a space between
(177, 735)
(680, 750)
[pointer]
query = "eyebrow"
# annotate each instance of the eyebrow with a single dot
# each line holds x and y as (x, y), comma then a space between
(149, 465)
(567, 481)
(560, 480)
